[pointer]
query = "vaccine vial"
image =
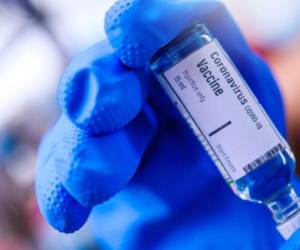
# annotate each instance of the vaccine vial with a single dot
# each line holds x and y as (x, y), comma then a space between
(229, 121)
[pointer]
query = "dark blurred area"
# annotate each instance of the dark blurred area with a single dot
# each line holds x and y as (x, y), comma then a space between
(37, 41)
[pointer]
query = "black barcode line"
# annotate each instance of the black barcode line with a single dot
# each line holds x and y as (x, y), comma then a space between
(265, 157)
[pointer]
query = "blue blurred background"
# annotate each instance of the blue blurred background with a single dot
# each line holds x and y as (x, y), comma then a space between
(38, 38)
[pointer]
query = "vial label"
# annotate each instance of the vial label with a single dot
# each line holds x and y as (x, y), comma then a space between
(223, 112)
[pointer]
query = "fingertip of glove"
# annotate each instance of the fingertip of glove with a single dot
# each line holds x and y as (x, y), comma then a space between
(130, 50)
(60, 210)
(101, 96)
(57, 206)
(119, 8)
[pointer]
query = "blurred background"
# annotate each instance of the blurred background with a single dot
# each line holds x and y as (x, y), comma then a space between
(38, 38)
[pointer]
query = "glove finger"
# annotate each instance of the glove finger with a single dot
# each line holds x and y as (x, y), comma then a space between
(58, 207)
(94, 168)
(100, 94)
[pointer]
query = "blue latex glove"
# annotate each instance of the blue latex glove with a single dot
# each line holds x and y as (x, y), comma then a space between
(131, 149)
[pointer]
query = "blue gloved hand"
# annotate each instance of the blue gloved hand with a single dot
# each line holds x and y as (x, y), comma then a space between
(121, 141)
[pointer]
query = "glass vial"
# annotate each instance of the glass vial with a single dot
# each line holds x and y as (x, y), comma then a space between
(224, 114)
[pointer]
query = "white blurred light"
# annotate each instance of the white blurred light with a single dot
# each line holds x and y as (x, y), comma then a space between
(267, 23)
(78, 24)
(29, 71)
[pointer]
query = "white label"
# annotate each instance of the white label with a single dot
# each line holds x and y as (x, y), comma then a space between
(222, 111)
